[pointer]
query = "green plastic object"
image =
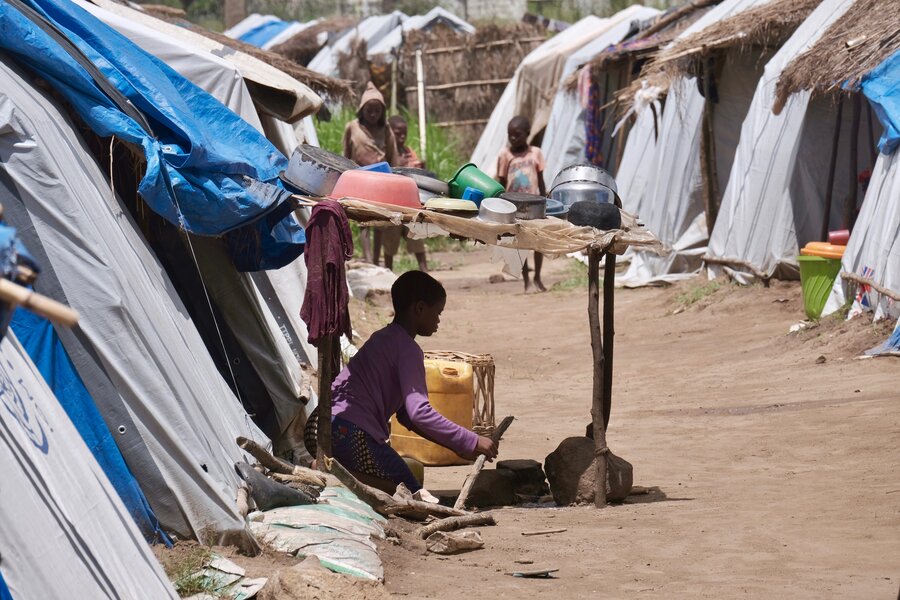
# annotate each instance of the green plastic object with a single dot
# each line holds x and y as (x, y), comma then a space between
(471, 176)
(817, 278)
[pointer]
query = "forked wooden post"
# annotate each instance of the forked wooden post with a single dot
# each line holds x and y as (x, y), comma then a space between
(609, 332)
(327, 365)
(597, 405)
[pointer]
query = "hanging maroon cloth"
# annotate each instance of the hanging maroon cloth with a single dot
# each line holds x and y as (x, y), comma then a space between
(329, 244)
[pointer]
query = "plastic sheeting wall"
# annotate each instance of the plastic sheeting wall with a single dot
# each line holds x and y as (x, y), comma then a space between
(539, 70)
(64, 533)
(372, 30)
(37, 336)
(674, 208)
(246, 313)
(174, 418)
(874, 248)
(564, 139)
(756, 219)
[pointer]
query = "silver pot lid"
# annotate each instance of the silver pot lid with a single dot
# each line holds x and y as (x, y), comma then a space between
(586, 172)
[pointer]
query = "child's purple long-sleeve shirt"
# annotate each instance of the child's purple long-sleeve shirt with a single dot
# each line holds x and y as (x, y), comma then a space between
(387, 376)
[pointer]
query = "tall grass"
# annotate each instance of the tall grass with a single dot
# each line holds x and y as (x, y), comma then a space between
(443, 155)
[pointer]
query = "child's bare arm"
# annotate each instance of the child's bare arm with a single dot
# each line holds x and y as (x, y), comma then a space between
(541, 187)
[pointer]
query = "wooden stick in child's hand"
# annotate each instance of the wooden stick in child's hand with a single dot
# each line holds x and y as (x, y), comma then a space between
(37, 303)
(479, 464)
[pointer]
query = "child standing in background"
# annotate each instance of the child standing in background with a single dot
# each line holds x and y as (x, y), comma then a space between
(391, 236)
(520, 168)
(369, 140)
(406, 156)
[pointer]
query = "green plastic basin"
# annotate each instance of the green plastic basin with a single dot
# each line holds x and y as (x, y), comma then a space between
(817, 278)
(471, 176)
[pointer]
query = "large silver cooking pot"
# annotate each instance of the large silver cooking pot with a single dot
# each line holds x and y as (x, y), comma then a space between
(584, 182)
(315, 171)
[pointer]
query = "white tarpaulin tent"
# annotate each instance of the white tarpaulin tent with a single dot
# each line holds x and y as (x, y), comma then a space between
(267, 342)
(536, 75)
(773, 200)
(276, 93)
(140, 356)
(674, 208)
(64, 532)
(432, 18)
(874, 247)
(248, 24)
(371, 30)
(564, 139)
(632, 176)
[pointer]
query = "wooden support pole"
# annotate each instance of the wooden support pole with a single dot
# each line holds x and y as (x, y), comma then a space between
(609, 332)
(420, 101)
(597, 405)
(873, 149)
(708, 150)
(853, 165)
(829, 189)
(326, 377)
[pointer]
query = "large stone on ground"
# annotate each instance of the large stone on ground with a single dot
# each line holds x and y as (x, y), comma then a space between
(530, 479)
(493, 487)
(571, 470)
(311, 581)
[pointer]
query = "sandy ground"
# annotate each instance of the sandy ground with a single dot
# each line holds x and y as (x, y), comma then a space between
(777, 473)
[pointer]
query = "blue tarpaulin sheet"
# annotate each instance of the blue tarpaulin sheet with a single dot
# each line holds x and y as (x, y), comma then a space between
(48, 354)
(882, 87)
(197, 150)
(265, 32)
(4, 591)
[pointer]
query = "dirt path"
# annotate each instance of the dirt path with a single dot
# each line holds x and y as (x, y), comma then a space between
(777, 474)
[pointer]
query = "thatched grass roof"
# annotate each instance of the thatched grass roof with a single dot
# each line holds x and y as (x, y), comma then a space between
(769, 25)
(336, 89)
(663, 30)
(856, 43)
(305, 45)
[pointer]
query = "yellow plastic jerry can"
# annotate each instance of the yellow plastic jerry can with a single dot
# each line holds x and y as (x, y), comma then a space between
(451, 392)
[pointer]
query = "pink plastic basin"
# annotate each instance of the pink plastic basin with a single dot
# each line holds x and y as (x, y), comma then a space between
(381, 188)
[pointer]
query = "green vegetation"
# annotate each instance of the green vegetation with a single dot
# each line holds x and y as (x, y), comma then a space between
(183, 567)
(576, 278)
(698, 292)
(443, 156)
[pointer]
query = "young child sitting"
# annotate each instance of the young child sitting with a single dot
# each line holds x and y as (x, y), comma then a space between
(520, 168)
(387, 377)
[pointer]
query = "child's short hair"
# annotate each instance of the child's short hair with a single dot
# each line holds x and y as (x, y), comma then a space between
(520, 122)
(396, 120)
(415, 286)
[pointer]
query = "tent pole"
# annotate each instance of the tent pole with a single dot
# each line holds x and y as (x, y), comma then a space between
(873, 152)
(609, 332)
(829, 190)
(597, 405)
(850, 204)
(420, 91)
(326, 378)
(708, 150)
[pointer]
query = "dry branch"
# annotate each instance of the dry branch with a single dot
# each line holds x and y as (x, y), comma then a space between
(454, 523)
(866, 281)
(277, 465)
(381, 502)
